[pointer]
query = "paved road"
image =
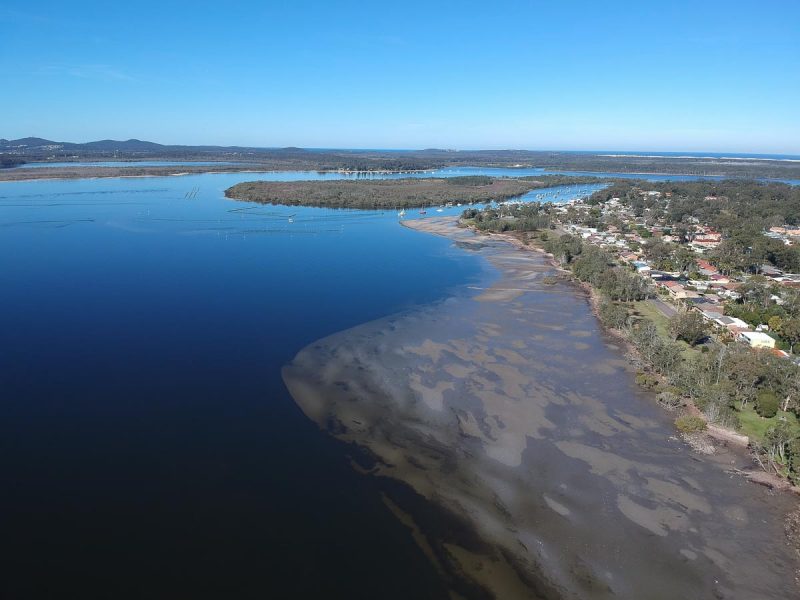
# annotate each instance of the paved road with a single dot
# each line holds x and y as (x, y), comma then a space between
(666, 309)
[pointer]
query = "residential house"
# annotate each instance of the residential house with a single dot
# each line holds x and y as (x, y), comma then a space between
(706, 268)
(756, 339)
(770, 271)
(732, 324)
(705, 242)
(678, 291)
(711, 315)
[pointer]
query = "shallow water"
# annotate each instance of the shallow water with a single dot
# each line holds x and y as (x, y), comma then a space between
(510, 409)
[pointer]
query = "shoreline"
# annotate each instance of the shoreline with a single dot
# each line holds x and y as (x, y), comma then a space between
(508, 410)
(728, 438)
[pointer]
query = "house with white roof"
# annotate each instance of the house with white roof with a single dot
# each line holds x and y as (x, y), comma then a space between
(756, 339)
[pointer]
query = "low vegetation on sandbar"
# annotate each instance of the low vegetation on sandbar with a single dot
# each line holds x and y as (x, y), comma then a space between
(392, 193)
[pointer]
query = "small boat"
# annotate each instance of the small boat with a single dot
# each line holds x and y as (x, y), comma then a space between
(439, 210)
(422, 210)
(402, 213)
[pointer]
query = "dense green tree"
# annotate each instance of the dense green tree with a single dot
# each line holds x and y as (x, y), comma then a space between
(684, 259)
(790, 331)
(688, 326)
(728, 257)
(775, 323)
(767, 404)
(613, 314)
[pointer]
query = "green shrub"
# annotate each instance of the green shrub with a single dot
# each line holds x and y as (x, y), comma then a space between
(669, 400)
(690, 424)
(612, 314)
(767, 404)
(646, 380)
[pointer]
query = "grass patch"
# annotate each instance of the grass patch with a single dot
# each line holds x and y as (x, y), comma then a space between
(648, 310)
(755, 427)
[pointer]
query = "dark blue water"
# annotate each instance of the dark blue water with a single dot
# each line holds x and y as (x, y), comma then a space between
(147, 445)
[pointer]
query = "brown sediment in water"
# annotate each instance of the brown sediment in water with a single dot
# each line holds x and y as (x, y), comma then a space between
(510, 437)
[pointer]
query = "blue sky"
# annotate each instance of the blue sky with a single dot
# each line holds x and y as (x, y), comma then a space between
(701, 75)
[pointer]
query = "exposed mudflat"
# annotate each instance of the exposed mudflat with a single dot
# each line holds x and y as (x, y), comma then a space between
(545, 471)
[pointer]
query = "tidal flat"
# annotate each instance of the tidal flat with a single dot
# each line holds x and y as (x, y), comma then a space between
(505, 429)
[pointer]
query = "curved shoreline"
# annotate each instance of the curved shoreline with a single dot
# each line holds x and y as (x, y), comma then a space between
(514, 414)
(726, 437)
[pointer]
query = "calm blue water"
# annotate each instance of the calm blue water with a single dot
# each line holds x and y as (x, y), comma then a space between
(147, 444)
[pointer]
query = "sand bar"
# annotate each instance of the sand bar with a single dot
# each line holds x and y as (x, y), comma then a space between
(507, 426)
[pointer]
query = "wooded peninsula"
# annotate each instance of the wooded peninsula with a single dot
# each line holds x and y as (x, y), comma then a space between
(395, 193)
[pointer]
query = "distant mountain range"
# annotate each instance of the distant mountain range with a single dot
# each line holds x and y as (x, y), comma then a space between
(34, 146)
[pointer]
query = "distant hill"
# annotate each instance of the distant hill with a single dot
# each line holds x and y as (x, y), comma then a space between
(36, 145)
(35, 148)
(126, 146)
(28, 142)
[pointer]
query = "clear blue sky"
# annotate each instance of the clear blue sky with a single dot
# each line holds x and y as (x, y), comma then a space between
(636, 75)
